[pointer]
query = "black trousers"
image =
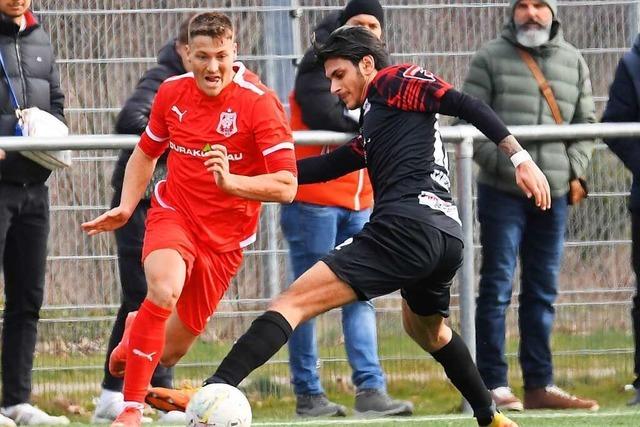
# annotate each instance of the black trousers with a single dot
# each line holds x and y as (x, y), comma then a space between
(134, 289)
(635, 309)
(24, 229)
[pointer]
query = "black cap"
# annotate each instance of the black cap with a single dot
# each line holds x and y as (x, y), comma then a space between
(360, 7)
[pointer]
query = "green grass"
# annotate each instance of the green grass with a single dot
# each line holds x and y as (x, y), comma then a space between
(72, 378)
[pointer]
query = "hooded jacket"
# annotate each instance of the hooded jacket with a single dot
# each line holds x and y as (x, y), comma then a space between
(30, 65)
(499, 77)
(624, 106)
(313, 106)
(134, 116)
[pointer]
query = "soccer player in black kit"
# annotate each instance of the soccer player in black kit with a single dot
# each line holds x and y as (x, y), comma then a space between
(413, 241)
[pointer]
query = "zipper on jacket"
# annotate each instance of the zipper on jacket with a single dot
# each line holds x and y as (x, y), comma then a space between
(21, 72)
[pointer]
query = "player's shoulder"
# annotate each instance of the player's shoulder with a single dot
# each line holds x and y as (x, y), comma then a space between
(174, 86)
(249, 82)
(404, 71)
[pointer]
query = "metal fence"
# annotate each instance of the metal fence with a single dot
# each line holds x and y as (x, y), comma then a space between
(104, 46)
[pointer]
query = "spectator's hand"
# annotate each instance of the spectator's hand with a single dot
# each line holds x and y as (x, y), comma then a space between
(2, 154)
(577, 192)
(108, 221)
(218, 165)
(532, 181)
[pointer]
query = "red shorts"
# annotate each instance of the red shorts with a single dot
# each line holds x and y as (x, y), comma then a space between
(208, 272)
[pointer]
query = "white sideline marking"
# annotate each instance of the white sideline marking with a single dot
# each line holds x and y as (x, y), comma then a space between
(440, 418)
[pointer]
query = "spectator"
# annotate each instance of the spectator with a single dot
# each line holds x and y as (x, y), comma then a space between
(29, 64)
(230, 148)
(323, 216)
(133, 118)
(509, 223)
(624, 106)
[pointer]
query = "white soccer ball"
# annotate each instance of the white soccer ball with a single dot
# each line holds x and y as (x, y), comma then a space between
(218, 405)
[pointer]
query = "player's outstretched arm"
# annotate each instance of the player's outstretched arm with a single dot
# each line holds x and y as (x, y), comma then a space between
(280, 186)
(529, 177)
(136, 178)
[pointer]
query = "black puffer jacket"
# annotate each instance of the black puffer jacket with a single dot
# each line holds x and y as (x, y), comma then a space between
(134, 116)
(321, 110)
(28, 56)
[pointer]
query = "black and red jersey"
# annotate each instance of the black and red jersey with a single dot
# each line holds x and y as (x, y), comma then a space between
(404, 153)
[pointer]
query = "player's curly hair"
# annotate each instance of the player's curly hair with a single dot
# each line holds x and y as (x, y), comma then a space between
(211, 24)
(352, 43)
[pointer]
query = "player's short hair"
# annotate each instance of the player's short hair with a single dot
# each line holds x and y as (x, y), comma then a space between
(183, 31)
(353, 43)
(210, 24)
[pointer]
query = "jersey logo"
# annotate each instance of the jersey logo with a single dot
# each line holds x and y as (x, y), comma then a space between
(419, 73)
(227, 124)
(366, 107)
(179, 113)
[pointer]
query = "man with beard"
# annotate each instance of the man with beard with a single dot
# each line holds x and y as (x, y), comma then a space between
(509, 223)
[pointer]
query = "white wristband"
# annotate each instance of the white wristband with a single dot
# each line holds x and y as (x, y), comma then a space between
(519, 157)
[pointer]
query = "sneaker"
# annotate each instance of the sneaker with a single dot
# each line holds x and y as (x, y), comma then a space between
(552, 397)
(500, 420)
(505, 399)
(169, 399)
(6, 421)
(318, 405)
(173, 418)
(118, 358)
(131, 416)
(635, 400)
(373, 402)
(27, 414)
(108, 407)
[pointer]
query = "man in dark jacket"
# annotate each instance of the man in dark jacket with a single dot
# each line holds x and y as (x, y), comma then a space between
(133, 118)
(29, 64)
(510, 226)
(323, 216)
(624, 106)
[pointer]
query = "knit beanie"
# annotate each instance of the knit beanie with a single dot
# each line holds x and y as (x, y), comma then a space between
(553, 5)
(362, 7)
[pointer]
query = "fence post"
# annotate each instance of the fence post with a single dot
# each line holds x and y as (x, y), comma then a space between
(464, 180)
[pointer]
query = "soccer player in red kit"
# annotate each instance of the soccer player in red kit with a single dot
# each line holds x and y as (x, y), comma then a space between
(230, 149)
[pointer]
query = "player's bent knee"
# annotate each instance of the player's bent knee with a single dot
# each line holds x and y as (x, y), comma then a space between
(163, 295)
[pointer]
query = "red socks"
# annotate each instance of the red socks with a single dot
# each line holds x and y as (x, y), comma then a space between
(146, 343)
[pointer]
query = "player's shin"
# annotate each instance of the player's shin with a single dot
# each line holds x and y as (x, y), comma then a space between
(146, 343)
(266, 335)
(463, 373)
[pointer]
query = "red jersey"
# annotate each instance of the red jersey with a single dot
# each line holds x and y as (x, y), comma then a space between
(247, 118)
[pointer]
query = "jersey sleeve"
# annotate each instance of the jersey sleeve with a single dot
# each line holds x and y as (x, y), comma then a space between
(410, 88)
(271, 130)
(155, 138)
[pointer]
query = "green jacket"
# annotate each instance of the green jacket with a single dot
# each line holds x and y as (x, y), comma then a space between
(499, 77)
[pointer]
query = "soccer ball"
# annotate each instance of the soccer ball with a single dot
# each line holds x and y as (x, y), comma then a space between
(218, 405)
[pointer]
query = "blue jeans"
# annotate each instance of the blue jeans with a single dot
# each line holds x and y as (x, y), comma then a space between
(312, 231)
(510, 225)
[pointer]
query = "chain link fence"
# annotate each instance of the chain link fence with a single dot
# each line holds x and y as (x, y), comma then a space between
(104, 46)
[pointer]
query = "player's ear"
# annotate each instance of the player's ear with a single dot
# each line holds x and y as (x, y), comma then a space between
(367, 65)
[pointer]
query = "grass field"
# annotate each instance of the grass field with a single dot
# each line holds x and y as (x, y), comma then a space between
(530, 419)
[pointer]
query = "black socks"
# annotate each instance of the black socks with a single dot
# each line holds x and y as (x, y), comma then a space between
(267, 334)
(463, 373)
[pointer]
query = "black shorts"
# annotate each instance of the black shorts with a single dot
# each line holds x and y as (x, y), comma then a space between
(392, 253)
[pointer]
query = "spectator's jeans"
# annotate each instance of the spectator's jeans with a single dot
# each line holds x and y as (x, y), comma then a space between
(510, 225)
(129, 239)
(635, 309)
(24, 229)
(312, 231)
